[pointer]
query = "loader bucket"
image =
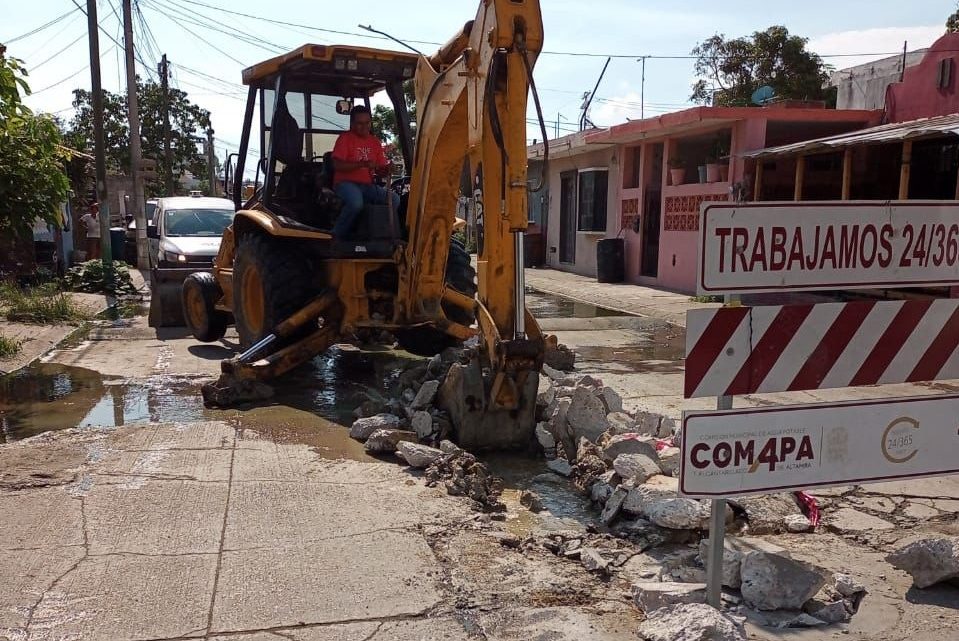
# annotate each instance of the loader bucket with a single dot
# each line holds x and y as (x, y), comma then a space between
(166, 309)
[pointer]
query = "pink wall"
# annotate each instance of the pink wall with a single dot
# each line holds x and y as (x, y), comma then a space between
(918, 95)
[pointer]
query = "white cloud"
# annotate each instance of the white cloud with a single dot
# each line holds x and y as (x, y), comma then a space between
(884, 41)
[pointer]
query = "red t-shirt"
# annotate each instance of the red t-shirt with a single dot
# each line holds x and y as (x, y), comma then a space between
(353, 148)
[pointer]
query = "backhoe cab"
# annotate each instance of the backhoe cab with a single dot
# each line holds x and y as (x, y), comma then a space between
(293, 292)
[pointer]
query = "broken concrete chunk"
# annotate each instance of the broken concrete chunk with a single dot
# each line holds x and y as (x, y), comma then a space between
(589, 381)
(408, 395)
(670, 459)
(782, 619)
(387, 441)
(592, 560)
(620, 423)
(848, 586)
(560, 466)
(546, 439)
(929, 561)
(631, 443)
(586, 415)
(734, 549)
(690, 622)
(649, 595)
(667, 428)
(774, 582)
(422, 424)
(798, 523)
(448, 447)
(678, 514)
(531, 501)
(362, 428)
(613, 505)
(766, 513)
(546, 392)
(648, 424)
(602, 488)
(834, 612)
(424, 397)
(416, 455)
(656, 488)
(635, 467)
(611, 399)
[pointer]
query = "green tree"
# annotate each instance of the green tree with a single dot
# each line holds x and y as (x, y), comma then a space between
(187, 123)
(952, 22)
(384, 117)
(729, 71)
(33, 182)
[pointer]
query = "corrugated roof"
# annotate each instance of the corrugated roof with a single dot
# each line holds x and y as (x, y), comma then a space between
(892, 132)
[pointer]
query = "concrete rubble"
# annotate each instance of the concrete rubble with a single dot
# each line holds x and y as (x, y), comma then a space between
(627, 464)
(691, 622)
(929, 561)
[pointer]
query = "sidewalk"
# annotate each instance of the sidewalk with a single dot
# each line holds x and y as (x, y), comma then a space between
(623, 297)
(37, 340)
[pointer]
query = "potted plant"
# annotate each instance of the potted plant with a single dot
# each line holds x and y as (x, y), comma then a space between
(712, 170)
(677, 170)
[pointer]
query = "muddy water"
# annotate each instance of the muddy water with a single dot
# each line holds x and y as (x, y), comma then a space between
(549, 306)
(311, 406)
(564, 507)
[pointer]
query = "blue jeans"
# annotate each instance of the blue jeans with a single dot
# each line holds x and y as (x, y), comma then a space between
(354, 196)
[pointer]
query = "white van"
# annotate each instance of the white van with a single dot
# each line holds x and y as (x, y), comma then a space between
(184, 238)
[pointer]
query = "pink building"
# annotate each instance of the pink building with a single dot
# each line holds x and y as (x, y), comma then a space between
(645, 180)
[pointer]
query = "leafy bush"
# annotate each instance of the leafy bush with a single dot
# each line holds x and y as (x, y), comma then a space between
(92, 277)
(8, 347)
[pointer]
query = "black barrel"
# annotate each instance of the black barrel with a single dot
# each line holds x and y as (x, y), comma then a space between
(611, 260)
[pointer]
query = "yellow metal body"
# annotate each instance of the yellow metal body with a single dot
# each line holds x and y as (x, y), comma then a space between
(471, 101)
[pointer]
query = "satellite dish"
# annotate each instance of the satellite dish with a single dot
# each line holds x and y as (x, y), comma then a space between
(763, 95)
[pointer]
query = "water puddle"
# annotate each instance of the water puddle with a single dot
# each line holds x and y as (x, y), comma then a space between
(564, 507)
(661, 350)
(550, 306)
(312, 405)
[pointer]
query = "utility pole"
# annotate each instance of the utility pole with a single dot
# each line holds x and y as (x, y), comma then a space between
(106, 253)
(167, 151)
(133, 114)
(642, 91)
(211, 161)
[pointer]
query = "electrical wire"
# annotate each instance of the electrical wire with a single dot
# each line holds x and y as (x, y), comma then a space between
(72, 75)
(201, 38)
(37, 30)
(193, 17)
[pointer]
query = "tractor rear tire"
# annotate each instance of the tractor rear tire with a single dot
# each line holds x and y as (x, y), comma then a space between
(461, 276)
(271, 281)
(200, 294)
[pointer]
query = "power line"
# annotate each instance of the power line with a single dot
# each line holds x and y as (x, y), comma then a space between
(72, 75)
(192, 17)
(40, 28)
(201, 38)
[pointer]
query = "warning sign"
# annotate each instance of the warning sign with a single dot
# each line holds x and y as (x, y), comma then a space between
(751, 451)
(771, 247)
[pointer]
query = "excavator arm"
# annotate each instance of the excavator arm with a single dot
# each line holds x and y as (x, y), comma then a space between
(472, 98)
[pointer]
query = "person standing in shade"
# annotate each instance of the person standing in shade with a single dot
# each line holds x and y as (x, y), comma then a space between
(357, 157)
(91, 221)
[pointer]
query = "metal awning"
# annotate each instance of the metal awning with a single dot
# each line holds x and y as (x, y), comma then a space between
(893, 132)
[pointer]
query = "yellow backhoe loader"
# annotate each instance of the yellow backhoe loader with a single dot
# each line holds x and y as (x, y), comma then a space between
(293, 291)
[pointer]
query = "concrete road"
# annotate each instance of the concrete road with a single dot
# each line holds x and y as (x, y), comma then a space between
(269, 523)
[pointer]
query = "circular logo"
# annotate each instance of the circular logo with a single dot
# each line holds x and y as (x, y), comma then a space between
(898, 440)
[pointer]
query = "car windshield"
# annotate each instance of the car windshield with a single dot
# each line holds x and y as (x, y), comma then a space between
(197, 222)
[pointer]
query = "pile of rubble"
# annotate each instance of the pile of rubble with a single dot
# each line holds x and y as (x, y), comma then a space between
(629, 463)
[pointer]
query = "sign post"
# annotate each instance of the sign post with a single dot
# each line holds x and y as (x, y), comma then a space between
(780, 247)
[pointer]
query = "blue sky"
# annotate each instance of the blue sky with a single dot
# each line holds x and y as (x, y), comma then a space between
(207, 63)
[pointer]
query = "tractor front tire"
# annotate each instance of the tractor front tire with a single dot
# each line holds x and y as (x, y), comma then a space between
(271, 281)
(200, 294)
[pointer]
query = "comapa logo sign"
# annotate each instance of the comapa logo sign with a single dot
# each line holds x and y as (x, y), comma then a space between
(777, 450)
